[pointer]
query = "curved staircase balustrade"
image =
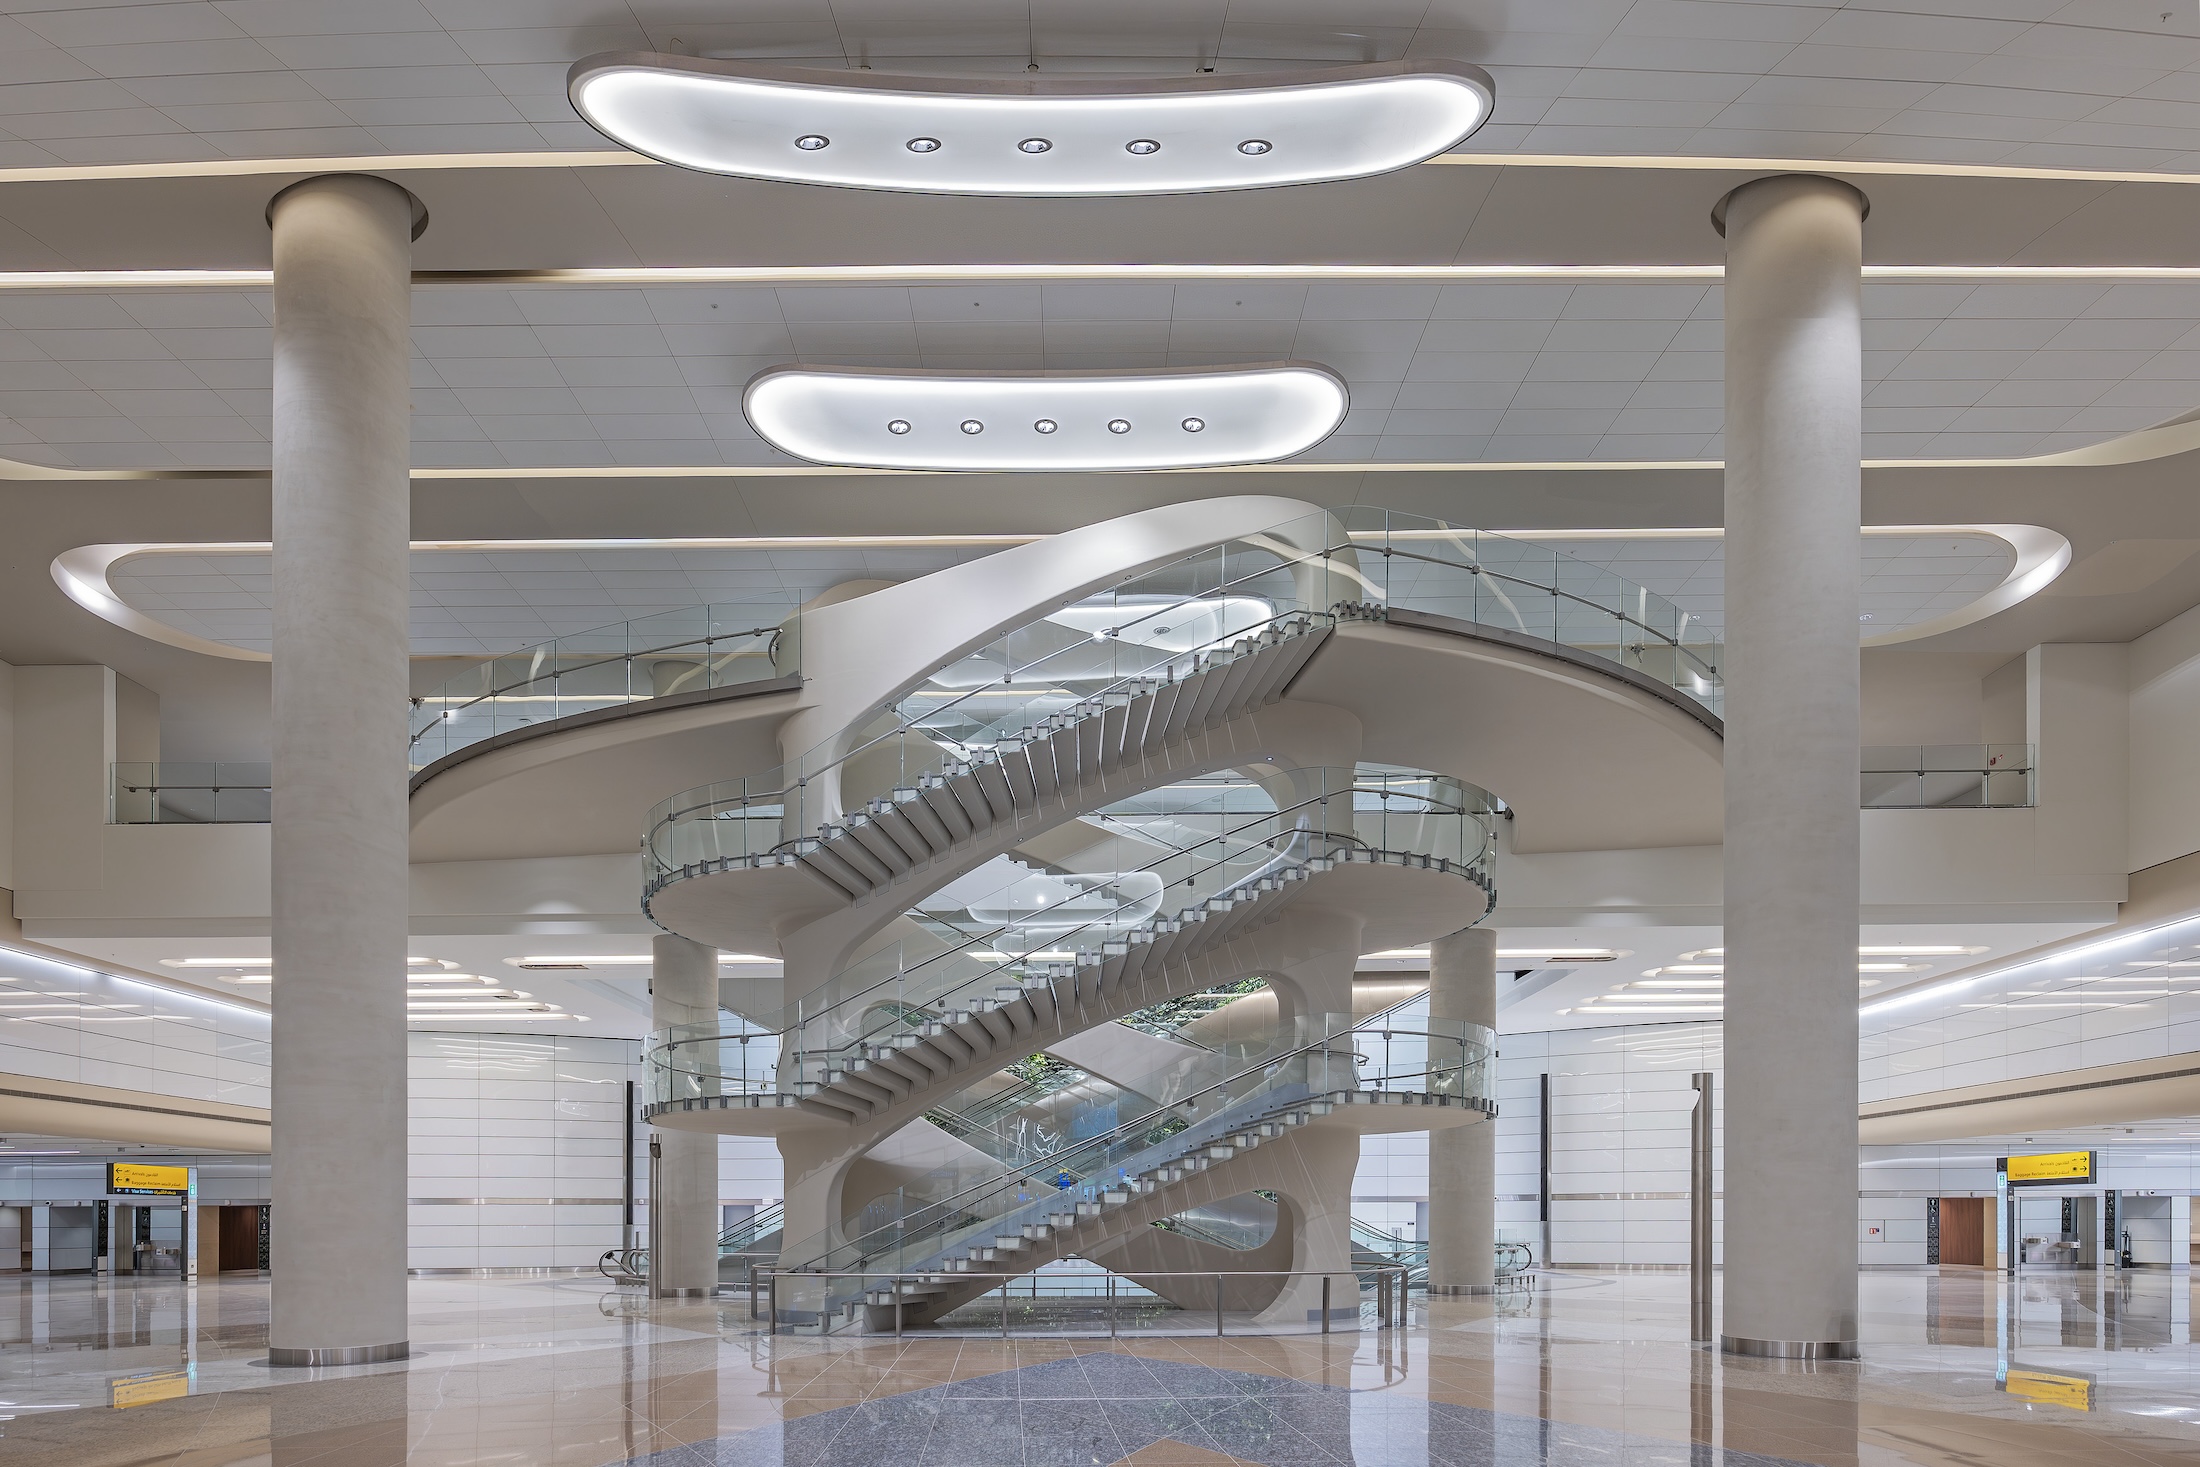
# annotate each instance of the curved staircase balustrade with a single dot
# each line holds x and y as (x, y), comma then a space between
(1065, 1201)
(688, 650)
(938, 1254)
(1012, 1125)
(887, 1028)
(1092, 687)
(1414, 563)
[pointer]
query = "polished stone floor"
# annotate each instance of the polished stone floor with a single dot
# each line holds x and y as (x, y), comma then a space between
(2073, 1370)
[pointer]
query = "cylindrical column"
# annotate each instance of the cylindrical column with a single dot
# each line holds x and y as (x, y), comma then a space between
(342, 514)
(1462, 1160)
(1794, 439)
(683, 1251)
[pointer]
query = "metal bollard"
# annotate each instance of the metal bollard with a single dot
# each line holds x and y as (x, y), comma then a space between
(1699, 1211)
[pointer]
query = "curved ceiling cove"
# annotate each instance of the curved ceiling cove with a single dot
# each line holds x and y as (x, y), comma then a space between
(483, 597)
(1029, 136)
(1180, 418)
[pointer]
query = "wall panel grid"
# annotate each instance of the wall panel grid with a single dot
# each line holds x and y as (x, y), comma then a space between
(59, 1021)
(516, 1155)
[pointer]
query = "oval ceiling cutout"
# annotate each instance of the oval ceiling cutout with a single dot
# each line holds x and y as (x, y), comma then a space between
(1028, 136)
(1188, 417)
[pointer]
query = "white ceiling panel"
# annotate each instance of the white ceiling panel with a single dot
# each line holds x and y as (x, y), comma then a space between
(1494, 371)
(2059, 83)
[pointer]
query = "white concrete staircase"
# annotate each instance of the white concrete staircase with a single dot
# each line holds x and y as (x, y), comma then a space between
(1063, 764)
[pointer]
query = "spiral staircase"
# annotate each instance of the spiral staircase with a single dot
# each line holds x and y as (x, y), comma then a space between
(1103, 801)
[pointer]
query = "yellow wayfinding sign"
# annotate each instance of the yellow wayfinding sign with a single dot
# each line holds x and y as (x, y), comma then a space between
(132, 1179)
(126, 1391)
(2056, 1166)
(2074, 1391)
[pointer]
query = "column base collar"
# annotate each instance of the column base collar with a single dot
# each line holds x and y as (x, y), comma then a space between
(1789, 1349)
(291, 1359)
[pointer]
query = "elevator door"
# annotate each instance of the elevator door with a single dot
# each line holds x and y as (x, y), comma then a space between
(238, 1244)
(1963, 1222)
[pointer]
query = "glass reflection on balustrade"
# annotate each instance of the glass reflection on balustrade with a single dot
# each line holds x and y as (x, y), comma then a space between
(1946, 777)
(689, 650)
(1373, 557)
(948, 1208)
(1164, 850)
(189, 794)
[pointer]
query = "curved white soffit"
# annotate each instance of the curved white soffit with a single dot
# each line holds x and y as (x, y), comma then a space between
(1189, 417)
(82, 576)
(2042, 555)
(1026, 136)
(82, 573)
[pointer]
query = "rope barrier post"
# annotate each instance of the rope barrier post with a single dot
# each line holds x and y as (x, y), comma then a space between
(897, 1308)
(1004, 1307)
(1325, 1303)
(773, 1303)
(752, 1293)
(1218, 1306)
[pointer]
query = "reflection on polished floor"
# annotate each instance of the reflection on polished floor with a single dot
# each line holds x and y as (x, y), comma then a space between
(1960, 1368)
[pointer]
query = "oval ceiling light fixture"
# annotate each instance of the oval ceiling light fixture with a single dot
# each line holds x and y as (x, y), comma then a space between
(1029, 136)
(862, 417)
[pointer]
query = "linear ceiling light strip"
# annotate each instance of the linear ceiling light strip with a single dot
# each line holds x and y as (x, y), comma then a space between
(619, 158)
(1012, 274)
(2140, 447)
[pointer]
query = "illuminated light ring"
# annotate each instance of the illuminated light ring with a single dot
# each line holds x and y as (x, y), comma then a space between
(744, 118)
(1249, 414)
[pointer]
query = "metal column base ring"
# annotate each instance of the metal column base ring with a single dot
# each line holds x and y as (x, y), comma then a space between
(1462, 1290)
(339, 1355)
(1790, 1349)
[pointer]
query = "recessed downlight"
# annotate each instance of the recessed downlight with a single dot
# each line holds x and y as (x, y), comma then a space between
(1080, 420)
(924, 145)
(898, 427)
(1031, 136)
(1195, 425)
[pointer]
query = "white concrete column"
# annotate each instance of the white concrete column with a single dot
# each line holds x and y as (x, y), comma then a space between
(1794, 438)
(342, 515)
(683, 1251)
(1462, 1160)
